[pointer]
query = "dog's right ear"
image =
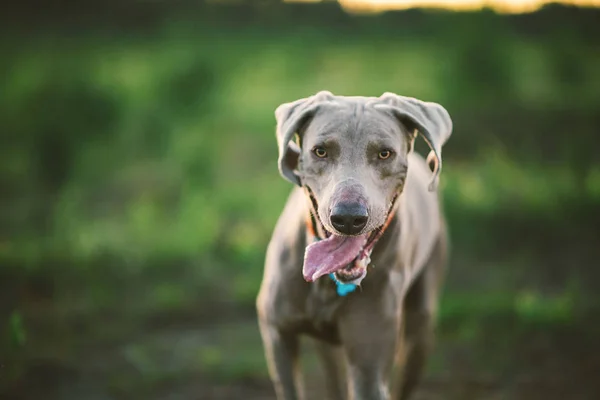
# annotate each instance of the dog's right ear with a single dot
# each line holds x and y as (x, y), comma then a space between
(291, 118)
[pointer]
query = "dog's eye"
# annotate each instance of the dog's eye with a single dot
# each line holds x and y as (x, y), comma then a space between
(384, 154)
(320, 152)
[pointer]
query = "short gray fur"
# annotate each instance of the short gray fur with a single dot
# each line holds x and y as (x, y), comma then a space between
(392, 316)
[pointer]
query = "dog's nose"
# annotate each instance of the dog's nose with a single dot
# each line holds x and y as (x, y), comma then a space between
(349, 218)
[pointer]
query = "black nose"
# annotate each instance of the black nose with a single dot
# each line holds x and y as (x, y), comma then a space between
(349, 218)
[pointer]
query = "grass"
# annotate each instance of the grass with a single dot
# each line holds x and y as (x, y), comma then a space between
(169, 190)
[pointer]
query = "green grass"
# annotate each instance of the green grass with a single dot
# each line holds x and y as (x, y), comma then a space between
(173, 150)
(186, 150)
(170, 189)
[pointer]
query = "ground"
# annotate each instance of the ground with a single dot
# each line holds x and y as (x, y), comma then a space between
(218, 355)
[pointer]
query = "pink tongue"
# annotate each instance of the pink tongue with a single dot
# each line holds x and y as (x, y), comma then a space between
(331, 254)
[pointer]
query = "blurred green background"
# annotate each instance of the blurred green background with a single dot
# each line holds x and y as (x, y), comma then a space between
(140, 189)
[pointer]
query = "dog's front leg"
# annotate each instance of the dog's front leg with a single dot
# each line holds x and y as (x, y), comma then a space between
(369, 332)
(281, 350)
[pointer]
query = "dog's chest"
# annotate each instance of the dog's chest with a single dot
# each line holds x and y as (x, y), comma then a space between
(322, 306)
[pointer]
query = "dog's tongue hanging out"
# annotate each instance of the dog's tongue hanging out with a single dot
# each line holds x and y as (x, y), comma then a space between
(331, 254)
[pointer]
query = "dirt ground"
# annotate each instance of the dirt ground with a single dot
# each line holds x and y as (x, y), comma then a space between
(223, 360)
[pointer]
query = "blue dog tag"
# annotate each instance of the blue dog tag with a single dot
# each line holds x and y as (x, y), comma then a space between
(343, 288)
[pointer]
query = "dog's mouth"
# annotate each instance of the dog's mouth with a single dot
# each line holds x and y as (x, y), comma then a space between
(347, 257)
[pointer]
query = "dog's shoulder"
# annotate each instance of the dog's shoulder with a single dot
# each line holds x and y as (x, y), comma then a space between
(282, 285)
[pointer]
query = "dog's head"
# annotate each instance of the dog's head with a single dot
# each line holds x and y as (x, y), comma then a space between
(351, 153)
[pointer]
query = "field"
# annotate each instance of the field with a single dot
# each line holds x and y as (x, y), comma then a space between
(138, 162)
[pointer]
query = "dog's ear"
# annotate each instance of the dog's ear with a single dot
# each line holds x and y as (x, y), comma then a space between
(291, 118)
(431, 120)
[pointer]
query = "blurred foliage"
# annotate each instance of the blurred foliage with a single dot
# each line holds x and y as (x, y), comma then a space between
(17, 332)
(138, 161)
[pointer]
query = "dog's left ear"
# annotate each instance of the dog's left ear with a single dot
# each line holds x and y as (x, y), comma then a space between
(291, 118)
(431, 120)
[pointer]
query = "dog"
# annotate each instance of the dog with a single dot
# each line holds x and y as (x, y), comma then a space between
(358, 256)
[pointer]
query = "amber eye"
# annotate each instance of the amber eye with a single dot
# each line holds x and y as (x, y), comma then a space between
(384, 154)
(320, 152)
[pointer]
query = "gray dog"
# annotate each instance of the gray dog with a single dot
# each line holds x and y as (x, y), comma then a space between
(365, 228)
